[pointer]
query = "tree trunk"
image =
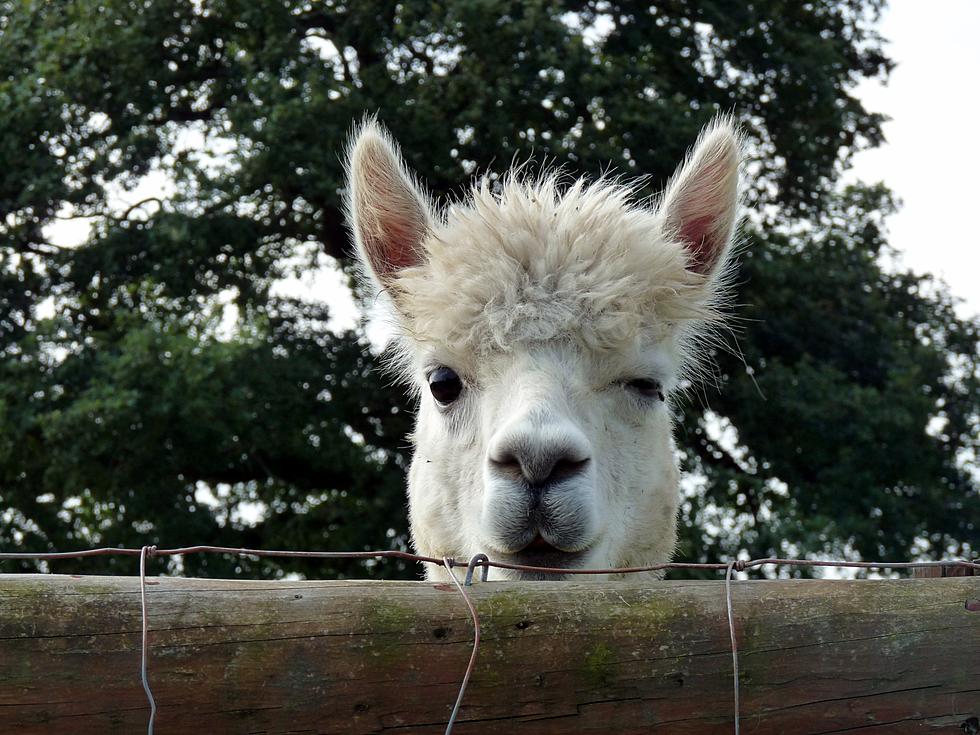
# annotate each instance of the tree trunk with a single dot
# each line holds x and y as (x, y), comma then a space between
(896, 656)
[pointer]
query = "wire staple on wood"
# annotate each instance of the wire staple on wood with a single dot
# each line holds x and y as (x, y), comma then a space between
(478, 559)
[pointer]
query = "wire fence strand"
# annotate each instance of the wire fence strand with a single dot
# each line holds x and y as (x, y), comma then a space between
(729, 569)
(144, 648)
(438, 561)
(731, 632)
(476, 645)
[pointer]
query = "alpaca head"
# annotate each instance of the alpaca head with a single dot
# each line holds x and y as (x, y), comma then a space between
(544, 326)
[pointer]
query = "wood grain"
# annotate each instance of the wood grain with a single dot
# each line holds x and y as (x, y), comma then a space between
(898, 656)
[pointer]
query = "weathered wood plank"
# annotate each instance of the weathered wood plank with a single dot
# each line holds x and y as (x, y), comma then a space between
(900, 656)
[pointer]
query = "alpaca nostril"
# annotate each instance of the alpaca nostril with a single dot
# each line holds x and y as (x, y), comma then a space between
(507, 464)
(539, 468)
(565, 468)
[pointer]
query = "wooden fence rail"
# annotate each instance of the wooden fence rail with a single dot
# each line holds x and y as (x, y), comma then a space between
(867, 657)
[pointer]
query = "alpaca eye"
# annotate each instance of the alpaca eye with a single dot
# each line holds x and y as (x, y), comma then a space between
(646, 388)
(445, 385)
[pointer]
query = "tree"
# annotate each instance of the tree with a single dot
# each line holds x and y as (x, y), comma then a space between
(847, 424)
(154, 386)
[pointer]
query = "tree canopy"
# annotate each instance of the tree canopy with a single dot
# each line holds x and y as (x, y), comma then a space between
(156, 387)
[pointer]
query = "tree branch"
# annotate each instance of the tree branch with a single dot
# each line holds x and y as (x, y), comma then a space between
(129, 210)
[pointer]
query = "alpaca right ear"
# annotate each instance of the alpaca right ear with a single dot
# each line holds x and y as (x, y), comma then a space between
(699, 206)
(389, 213)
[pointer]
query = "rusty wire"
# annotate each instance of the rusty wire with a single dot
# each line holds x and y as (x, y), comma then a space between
(479, 560)
(408, 556)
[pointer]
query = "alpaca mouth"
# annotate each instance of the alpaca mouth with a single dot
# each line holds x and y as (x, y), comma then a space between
(540, 553)
(539, 544)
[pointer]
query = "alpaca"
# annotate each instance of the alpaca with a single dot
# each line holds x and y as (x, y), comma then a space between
(544, 326)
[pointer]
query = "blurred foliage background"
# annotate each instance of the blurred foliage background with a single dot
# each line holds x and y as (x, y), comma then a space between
(157, 387)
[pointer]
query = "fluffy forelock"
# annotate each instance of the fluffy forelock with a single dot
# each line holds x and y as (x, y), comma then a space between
(535, 258)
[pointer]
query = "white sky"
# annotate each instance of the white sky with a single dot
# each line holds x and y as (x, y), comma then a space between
(929, 161)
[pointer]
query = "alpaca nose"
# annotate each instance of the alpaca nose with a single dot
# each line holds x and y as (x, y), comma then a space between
(540, 466)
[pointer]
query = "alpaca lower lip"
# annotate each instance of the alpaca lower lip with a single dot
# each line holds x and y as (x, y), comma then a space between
(540, 553)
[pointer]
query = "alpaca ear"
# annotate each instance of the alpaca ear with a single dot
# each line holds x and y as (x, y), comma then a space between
(388, 212)
(701, 199)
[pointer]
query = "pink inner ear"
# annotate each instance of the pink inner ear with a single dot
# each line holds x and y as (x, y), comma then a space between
(697, 239)
(398, 246)
(392, 243)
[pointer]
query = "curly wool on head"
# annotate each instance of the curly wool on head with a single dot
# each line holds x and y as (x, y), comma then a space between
(532, 260)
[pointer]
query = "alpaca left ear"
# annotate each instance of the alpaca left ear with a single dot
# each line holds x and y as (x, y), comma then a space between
(701, 199)
(387, 210)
